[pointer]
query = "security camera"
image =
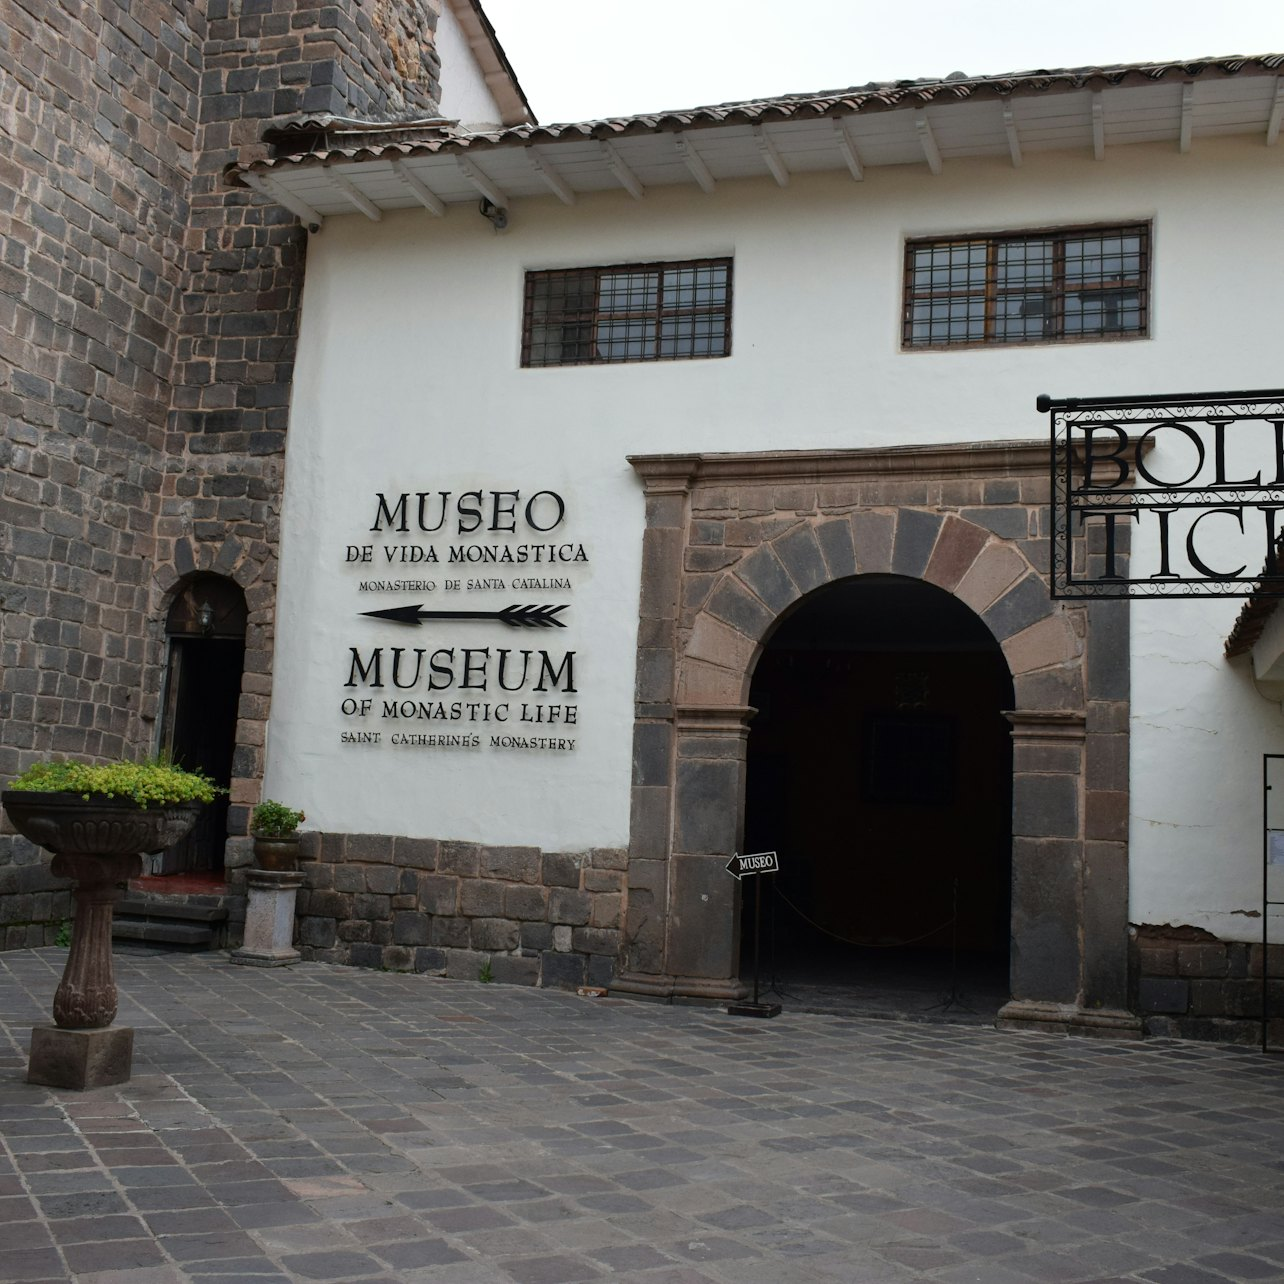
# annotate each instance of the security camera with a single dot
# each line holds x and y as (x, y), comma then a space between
(496, 214)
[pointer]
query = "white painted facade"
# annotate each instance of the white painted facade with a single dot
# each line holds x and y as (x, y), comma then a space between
(464, 96)
(408, 380)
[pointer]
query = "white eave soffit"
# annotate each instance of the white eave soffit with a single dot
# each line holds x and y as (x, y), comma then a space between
(377, 176)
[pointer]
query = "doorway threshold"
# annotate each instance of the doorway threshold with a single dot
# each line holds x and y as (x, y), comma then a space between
(894, 985)
(964, 1007)
(202, 884)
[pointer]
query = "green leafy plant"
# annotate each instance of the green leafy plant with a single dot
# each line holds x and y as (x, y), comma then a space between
(484, 973)
(149, 784)
(63, 935)
(274, 820)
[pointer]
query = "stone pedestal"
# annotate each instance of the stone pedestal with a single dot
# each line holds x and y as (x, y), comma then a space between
(86, 997)
(269, 919)
(80, 1058)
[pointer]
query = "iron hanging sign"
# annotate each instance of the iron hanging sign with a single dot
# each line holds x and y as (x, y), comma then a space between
(1199, 477)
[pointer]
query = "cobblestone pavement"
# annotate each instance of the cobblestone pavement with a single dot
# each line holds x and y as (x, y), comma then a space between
(326, 1123)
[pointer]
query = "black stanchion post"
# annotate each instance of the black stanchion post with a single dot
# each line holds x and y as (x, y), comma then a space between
(759, 865)
(757, 932)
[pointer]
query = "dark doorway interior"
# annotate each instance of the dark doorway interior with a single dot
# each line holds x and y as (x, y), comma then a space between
(206, 630)
(880, 769)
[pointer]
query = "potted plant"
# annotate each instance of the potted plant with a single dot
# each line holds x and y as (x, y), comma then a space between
(97, 819)
(118, 808)
(275, 830)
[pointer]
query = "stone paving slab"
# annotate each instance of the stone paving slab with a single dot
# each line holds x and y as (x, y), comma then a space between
(318, 1123)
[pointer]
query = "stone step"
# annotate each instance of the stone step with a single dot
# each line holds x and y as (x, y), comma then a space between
(190, 936)
(209, 910)
(184, 922)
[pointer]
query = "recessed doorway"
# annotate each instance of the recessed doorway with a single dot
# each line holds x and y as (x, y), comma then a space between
(880, 769)
(206, 632)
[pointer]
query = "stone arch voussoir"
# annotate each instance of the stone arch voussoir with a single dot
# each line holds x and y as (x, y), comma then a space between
(988, 573)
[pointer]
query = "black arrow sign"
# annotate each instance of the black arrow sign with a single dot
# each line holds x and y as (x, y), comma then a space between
(528, 617)
(758, 863)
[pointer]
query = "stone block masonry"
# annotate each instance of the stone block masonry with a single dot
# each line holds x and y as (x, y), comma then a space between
(519, 915)
(1192, 985)
(96, 165)
(147, 327)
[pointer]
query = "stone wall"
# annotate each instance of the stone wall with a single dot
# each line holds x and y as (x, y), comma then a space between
(518, 914)
(1190, 985)
(94, 182)
(147, 327)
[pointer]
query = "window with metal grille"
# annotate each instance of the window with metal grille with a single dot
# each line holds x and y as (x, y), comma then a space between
(1080, 283)
(630, 312)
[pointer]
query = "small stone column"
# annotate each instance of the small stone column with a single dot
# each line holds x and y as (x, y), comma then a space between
(269, 919)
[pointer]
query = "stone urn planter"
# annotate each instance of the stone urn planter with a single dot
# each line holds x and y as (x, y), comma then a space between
(97, 842)
(280, 854)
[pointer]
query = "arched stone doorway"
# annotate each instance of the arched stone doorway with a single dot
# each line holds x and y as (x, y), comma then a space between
(732, 543)
(879, 767)
(205, 634)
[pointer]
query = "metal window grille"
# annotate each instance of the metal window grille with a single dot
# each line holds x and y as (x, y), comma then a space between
(1073, 284)
(629, 312)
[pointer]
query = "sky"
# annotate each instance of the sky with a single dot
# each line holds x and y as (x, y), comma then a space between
(584, 59)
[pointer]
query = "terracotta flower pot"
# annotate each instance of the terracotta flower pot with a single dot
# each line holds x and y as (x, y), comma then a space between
(280, 854)
(96, 842)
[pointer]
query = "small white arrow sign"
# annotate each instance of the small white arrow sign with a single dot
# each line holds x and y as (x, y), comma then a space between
(758, 863)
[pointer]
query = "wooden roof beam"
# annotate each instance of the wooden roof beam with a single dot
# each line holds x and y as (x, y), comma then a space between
(847, 150)
(355, 195)
(927, 141)
(694, 163)
(1014, 139)
(1277, 114)
(550, 177)
(770, 156)
(422, 192)
(482, 183)
(624, 175)
(274, 192)
(1187, 115)
(1098, 126)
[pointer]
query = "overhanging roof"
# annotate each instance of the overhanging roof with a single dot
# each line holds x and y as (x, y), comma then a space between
(324, 167)
(1258, 610)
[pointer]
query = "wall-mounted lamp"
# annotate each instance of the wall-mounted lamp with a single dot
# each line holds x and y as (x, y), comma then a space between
(205, 618)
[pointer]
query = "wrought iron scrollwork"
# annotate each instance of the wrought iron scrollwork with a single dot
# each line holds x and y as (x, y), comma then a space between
(1102, 489)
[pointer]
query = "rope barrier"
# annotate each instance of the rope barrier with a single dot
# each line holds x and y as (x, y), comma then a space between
(866, 945)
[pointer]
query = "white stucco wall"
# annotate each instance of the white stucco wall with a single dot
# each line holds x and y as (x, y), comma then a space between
(464, 93)
(408, 380)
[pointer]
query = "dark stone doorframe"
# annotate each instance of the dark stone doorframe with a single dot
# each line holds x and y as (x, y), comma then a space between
(1069, 902)
(732, 542)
